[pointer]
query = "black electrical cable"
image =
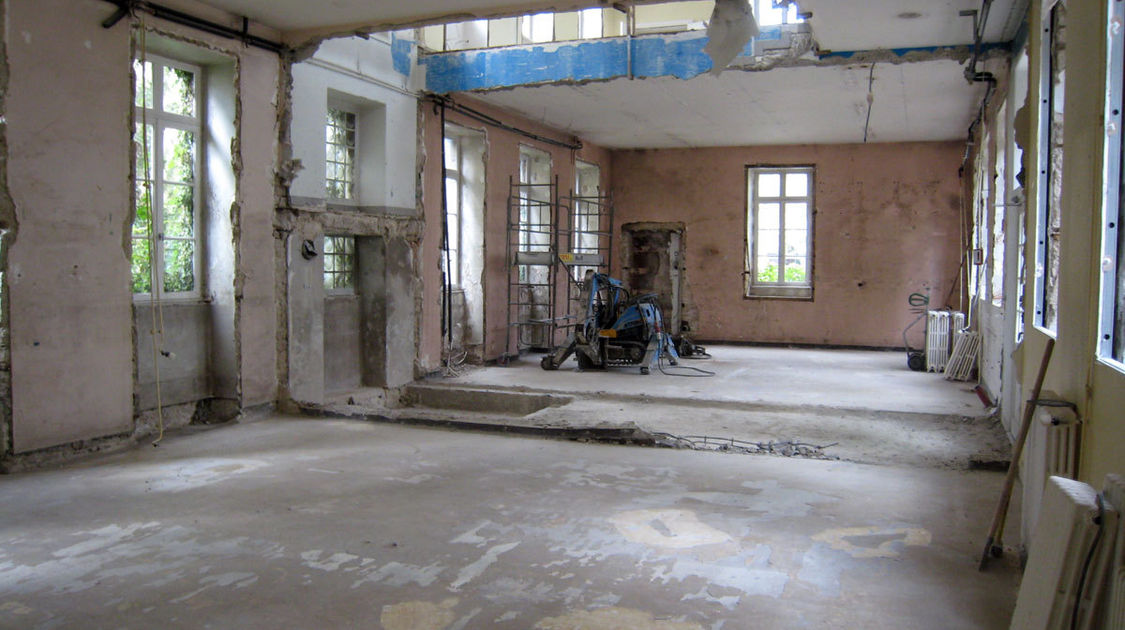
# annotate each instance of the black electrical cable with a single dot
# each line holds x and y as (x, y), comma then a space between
(870, 100)
(126, 7)
(479, 116)
(701, 372)
(1100, 522)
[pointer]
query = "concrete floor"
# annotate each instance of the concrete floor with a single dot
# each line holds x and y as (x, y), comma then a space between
(753, 376)
(312, 523)
(867, 405)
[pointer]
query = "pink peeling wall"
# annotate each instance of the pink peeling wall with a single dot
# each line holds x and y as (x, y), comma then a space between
(502, 161)
(886, 225)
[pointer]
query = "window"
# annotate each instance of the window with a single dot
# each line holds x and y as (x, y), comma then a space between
(339, 264)
(1111, 341)
(165, 248)
(779, 229)
(590, 23)
(1000, 205)
(454, 185)
(589, 211)
(774, 12)
(537, 29)
(1049, 217)
(340, 134)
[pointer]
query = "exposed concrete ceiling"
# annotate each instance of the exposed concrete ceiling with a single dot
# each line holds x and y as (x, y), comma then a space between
(917, 101)
(870, 24)
(923, 100)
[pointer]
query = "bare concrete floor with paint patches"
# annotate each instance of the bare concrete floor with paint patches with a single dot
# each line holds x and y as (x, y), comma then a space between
(308, 523)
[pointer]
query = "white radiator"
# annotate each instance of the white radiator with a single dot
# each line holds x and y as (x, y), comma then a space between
(1062, 431)
(1114, 616)
(966, 348)
(937, 340)
(1075, 576)
(1062, 539)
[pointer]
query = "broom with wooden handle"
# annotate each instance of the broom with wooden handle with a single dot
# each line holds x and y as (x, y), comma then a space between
(994, 545)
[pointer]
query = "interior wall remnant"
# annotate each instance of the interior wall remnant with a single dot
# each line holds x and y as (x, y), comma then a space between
(70, 247)
(8, 231)
(886, 225)
(69, 100)
(501, 165)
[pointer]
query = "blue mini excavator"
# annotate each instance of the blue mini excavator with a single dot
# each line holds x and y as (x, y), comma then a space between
(618, 330)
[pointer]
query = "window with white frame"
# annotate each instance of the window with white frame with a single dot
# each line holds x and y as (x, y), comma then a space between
(779, 231)
(454, 197)
(340, 155)
(165, 252)
(339, 264)
(1049, 212)
(1111, 330)
(589, 210)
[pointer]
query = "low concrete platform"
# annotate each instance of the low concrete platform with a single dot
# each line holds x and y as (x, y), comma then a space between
(311, 523)
(864, 406)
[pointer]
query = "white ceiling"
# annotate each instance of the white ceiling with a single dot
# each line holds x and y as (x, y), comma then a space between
(918, 101)
(870, 24)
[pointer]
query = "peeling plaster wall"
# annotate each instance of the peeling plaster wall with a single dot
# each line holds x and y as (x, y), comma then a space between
(255, 315)
(886, 225)
(373, 77)
(69, 111)
(502, 162)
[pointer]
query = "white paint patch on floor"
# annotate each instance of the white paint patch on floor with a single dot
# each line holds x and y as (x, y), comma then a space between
(398, 574)
(331, 563)
(752, 575)
(472, 536)
(667, 528)
(613, 619)
(472, 571)
(845, 539)
(237, 580)
(182, 475)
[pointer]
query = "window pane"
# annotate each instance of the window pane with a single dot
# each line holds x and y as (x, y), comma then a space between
(179, 91)
(769, 184)
(178, 211)
(144, 210)
(141, 266)
(179, 155)
(450, 153)
(796, 269)
(796, 216)
(768, 244)
(452, 198)
(139, 150)
(796, 243)
(179, 265)
(769, 216)
(590, 23)
(767, 269)
(142, 85)
(796, 184)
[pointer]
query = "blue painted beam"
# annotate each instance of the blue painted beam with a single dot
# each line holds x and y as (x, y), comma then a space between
(680, 55)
